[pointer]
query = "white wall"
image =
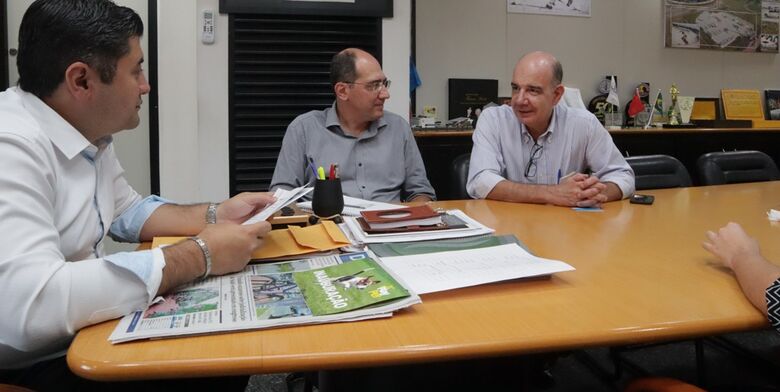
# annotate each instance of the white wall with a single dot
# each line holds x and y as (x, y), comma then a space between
(479, 39)
(193, 91)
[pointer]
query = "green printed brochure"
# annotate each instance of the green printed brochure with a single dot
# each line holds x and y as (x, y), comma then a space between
(349, 286)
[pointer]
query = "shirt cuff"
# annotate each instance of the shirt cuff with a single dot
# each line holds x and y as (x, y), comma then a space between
(626, 185)
(127, 227)
(147, 265)
(482, 184)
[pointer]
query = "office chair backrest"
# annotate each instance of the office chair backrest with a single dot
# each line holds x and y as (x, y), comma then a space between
(460, 175)
(658, 171)
(736, 166)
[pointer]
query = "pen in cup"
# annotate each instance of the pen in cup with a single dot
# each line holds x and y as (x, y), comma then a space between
(310, 164)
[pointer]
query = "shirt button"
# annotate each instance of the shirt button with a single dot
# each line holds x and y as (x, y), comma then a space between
(360, 165)
(364, 187)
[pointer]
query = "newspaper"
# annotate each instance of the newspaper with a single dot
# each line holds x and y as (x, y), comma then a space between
(346, 287)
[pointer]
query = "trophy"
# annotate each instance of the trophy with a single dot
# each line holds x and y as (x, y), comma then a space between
(685, 108)
(673, 113)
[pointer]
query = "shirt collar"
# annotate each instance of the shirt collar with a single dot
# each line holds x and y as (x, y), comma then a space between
(333, 124)
(62, 134)
(548, 134)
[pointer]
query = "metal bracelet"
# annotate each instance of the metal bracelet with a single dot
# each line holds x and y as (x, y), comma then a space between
(211, 213)
(206, 255)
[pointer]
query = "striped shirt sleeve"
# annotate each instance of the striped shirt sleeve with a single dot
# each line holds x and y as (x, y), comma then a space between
(773, 304)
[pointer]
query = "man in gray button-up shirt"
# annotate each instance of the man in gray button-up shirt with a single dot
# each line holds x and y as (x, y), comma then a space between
(536, 151)
(376, 153)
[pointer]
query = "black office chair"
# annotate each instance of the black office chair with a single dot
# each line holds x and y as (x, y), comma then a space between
(460, 175)
(732, 167)
(658, 171)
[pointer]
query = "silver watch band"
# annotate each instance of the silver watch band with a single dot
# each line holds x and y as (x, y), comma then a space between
(206, 255)
(211, 213)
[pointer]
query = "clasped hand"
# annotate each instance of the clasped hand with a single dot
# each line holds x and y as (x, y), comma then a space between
(581, 190)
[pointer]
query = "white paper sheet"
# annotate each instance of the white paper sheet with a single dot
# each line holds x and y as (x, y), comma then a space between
(432, 272)
(283, 198)
(353, 206)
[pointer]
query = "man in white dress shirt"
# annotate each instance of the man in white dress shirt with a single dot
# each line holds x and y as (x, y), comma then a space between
(80, 81)
(536, 151)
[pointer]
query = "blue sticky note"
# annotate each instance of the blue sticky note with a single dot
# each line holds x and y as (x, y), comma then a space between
(588, 209)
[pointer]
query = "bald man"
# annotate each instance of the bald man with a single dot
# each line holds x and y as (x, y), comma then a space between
(376, 152)
(536, 151)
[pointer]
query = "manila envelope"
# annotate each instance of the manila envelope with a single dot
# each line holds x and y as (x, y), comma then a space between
(291, 241)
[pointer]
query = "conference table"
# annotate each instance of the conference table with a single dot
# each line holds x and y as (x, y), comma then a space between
(641, 276)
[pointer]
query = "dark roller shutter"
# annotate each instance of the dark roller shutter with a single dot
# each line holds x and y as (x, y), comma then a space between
(278, 69)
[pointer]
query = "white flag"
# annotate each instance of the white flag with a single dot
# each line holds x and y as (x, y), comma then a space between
(613, 96)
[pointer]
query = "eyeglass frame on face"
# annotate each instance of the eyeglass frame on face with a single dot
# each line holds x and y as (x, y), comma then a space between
(374, 86)
(536, 153)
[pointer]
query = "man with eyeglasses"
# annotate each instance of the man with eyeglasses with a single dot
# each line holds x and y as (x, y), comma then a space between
(376, 153)
(536, 151)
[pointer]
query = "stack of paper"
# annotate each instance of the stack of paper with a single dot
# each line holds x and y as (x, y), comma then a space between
(472, 228)
(353, 206)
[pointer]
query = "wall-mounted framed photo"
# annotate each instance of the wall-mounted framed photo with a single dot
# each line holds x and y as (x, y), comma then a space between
(772, 104)
(740, 25)
(550, 7)
(705, 108)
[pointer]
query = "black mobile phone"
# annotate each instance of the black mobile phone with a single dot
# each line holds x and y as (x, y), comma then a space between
(642, 199)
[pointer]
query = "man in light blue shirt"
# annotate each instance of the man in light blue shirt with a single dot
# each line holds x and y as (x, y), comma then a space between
(536, 151)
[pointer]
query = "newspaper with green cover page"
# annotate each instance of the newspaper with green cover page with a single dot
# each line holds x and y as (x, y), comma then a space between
(346, 287)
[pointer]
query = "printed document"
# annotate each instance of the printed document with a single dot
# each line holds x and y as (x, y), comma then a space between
(432, 272)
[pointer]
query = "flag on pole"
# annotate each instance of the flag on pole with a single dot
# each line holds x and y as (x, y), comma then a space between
(636, 105)
(657, 107)
(414, 77)
(659, 103)
(613, 96)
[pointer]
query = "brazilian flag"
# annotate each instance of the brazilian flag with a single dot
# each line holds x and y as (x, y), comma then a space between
(659, 103)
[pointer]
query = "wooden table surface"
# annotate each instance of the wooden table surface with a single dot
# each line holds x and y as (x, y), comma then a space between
(641, 276)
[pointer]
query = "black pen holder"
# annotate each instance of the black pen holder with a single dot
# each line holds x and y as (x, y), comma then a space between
(328, 200)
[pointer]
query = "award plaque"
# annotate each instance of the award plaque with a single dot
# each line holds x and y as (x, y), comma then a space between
(742, 104)
(706, 109)
(685, 108)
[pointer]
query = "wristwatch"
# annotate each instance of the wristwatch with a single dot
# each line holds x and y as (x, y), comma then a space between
(211, 213)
